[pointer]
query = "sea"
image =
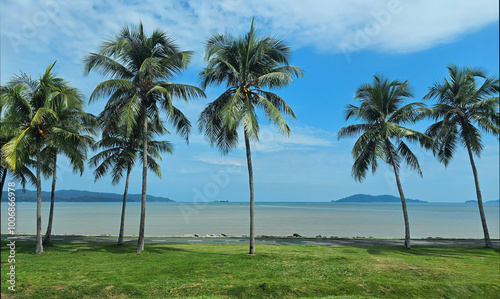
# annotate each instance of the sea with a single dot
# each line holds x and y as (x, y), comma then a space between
(308, 219)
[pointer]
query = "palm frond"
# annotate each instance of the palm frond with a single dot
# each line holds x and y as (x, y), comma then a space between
(273, 114)
(409, 158)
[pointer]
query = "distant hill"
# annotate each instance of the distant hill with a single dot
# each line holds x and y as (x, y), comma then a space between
(377, 198)
(490, 201)
(81, 196)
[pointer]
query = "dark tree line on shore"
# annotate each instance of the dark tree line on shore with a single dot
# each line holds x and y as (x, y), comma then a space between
(44, 118)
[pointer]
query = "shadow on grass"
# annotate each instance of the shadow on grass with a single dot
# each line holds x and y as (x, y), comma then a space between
(28, 247)
(454, 252)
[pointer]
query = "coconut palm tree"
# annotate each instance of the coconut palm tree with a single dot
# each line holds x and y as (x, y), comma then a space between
(382, 136)
(120, 153)
(248, 66)
(31, 121)
(463, 109)
(69, 139)
(141, 68)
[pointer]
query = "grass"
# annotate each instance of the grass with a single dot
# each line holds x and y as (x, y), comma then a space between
(103, 270)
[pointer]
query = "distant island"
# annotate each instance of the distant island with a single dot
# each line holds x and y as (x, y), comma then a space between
(375, 198)
(490, 201)
(81, 196)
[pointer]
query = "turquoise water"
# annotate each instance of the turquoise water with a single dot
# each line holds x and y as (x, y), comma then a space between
(381, 220)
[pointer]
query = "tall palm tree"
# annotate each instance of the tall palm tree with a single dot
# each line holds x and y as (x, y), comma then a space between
(31, 120)
(120, 152)
(462, 109)
(247, 66)
(141, 68)
(69, 139)
(382, 136)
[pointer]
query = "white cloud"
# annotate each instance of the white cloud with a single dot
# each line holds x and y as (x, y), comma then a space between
(301, 138)
(219, 161)
(73, 28)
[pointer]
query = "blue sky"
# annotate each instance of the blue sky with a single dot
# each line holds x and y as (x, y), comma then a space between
(339, 44)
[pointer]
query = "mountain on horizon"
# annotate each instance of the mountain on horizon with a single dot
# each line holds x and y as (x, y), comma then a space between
(489, 201)
(375, 198)
(81, 196)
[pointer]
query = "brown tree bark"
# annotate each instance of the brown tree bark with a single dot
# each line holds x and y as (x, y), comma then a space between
(39, 246)
(122, 221)
(48, 233)
(401, 196)
(140, 242)
(487, 239)
(252, 202)
(2, 181)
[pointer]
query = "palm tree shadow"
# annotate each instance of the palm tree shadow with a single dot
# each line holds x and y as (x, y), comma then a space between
(126, 248)
(447, 252)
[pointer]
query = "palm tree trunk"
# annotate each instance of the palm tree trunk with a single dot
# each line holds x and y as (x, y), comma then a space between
(252, 203)
(140, 242)
(48, 234)
(2, 181)
(122, 222)
(39, 246)
(479, 200)
(402, 196)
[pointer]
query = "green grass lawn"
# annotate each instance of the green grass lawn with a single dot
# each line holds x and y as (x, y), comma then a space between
(99, 270)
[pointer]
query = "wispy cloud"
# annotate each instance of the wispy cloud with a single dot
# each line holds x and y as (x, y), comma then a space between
(301, 138)
(219, 161)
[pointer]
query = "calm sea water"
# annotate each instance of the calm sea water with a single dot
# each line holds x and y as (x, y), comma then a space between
(381, 220)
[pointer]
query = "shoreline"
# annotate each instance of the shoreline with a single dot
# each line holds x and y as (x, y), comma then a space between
(428, 242)
(225, 236)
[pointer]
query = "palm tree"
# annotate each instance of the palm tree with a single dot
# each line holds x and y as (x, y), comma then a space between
(247, 66)
(463, 109)
(30, 120)
(120, 152)
(383, 115)
(68, 139)
(141, 67)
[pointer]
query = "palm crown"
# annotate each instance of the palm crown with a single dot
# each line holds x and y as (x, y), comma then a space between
(383, 113)
(32, 108)
(461, 105)
(141, 68)
(248, 66)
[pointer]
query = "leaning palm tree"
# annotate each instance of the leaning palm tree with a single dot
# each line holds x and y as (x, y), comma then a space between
(71, 138)
(462, 109)
(141, 68)
(120, 153)
(382, 134)
(248, 66)
(30, 120)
